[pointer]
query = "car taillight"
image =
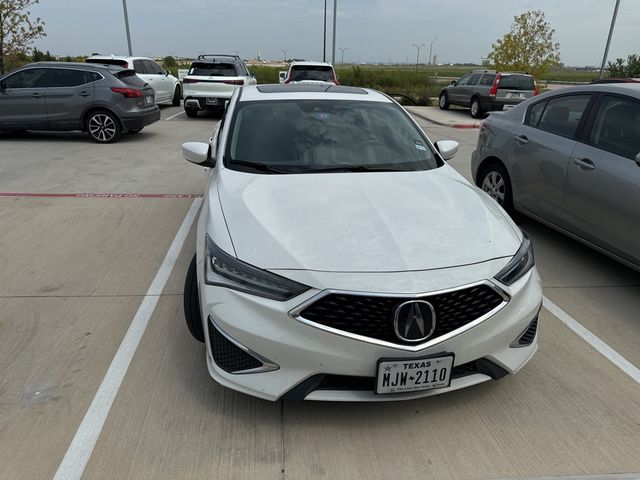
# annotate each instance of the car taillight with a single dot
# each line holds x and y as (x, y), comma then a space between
(535, 88)
(233, 82)
(189, 80)
(494, 88)
(127, 92)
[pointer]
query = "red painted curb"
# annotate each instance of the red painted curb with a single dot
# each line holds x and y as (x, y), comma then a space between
(466, 125)
(101, 195)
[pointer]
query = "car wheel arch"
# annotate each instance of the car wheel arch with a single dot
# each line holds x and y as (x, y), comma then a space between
(98, 108)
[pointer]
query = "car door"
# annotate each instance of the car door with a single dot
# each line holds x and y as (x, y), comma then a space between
(161, 82)
(542, 146)
(454, 91)
(22, 100)
(69, 94)
(467, 90)
(602, 193)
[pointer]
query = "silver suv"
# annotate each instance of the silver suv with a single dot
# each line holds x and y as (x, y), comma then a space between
(103, 100)
(486, 91)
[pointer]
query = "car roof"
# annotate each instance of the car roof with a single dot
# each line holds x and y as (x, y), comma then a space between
(311, 64)
(629, 89)
(301, 91)
(117, 57)
(84, 66)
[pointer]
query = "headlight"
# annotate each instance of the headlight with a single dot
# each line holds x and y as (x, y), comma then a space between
(520, 264)
(223, 270)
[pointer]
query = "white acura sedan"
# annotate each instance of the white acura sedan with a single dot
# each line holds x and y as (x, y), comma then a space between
(339, 257)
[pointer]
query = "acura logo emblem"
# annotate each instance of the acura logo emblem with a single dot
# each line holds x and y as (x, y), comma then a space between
(414, 321)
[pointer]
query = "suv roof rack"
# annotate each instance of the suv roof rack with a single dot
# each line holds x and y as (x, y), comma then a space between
(484, 71)
(213, 56)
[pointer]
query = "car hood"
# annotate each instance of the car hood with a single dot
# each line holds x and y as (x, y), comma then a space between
(363, 222)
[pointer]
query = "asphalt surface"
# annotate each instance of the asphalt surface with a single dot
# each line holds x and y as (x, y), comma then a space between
(87, 239)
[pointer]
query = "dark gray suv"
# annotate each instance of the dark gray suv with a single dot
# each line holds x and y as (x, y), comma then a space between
(104, 101)
(486, 91)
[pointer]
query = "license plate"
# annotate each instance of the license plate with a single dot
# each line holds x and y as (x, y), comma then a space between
(515, 95)
(148, 100)
(212, 101)
(410, 375)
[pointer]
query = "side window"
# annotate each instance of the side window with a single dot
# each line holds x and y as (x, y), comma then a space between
(474, 79)
(616, 127)
(242, 70)
(94, 77)
(563, 114)
(535, 112)
(140, 67)
(153, 67)
(31, 78)
(464, 80)
(59, 77)
(488, 79)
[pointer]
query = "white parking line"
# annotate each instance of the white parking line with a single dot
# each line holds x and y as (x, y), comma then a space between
(79, 452)
(174, 116)
(617, 359)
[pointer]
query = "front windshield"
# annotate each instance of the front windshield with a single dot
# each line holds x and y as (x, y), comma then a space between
(308, 72)
(313, 136)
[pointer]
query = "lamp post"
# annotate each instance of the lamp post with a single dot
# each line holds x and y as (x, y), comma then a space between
(342, 52)
(335, 13)
(126, 25)
(284, 56)
(430, 49)
(418, 54)
(324, 36)
(606, 50)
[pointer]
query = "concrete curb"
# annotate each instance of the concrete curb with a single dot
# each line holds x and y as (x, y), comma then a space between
(441, 124)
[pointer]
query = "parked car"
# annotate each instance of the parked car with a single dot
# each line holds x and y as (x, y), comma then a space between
(167, 87)
(570, 159)
(486, 91)
(615, 80)
(211, 81)
(311, 72)
(351, 262)
(103, 100)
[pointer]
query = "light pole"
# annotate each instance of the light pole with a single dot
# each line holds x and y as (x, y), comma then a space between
(606, 50)
(430, 48)
(126, 25)
(335, 12)
(284, 56)
(342, 52)
(324, 36)
(418, 54)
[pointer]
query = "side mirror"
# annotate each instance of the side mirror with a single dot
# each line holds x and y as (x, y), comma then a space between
(167, 73)
(453, 82)
(198, 153)
(447, 148)
(638, 159)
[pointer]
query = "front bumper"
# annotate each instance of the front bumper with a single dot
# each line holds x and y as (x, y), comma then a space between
(300, 354)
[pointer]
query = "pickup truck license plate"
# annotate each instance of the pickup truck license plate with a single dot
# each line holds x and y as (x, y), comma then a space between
(212, 101)
(410, 375)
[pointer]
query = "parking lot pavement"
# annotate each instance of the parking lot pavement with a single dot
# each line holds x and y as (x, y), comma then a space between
(455, 117)
(75, 272)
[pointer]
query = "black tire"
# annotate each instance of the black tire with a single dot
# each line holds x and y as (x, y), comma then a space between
(103, 126)
(495, 181)
(135, 130)
(476, 108)
(443, 101)
(191, 112)
(177, 95)
(192, 302)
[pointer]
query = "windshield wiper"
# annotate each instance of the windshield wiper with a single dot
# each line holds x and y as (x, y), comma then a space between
(355, 168)
(262, 167)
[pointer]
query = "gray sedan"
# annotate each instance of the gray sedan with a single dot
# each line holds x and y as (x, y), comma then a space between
(104, 101)
(570, 159)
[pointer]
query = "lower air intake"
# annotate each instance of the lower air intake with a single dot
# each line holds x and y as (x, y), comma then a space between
(227, 355)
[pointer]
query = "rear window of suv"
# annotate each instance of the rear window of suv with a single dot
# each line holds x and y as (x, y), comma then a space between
(322, 73)
(517, 82)
(108, 61)
(213, 69)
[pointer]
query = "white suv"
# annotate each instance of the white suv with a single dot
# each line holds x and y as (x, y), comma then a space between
(311, 72)
(166, 86)
(212, 80)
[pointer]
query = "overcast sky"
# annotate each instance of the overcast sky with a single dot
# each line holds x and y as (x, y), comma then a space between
(372, 30)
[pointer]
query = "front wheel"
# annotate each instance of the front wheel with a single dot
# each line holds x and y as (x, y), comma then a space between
(476, 108)
(443, 102)
(496, 183)
(103, 127)
(192, 303)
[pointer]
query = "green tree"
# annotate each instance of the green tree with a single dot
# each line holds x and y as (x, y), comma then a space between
(170, 62)
(628, 69)
(17, 29)
(528, 47)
